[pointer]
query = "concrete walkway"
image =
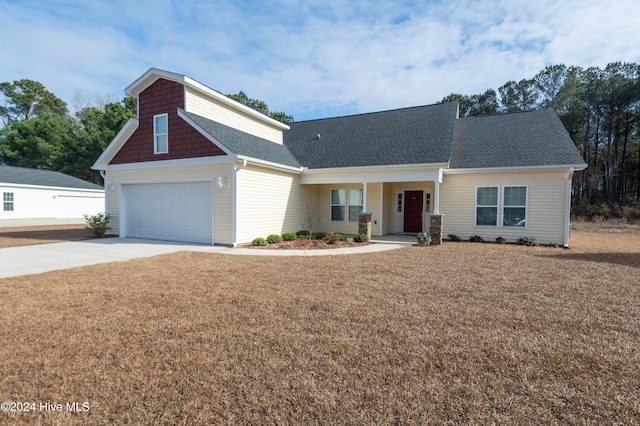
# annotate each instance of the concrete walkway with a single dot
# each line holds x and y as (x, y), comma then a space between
(34, 259)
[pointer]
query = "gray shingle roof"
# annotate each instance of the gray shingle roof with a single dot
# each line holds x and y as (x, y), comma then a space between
(522, 139)
(26, 176)
(242, 143)
(402, 136)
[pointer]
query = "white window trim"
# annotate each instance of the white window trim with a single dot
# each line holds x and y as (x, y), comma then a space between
(156, 134)
(346, 203)
(500, 206)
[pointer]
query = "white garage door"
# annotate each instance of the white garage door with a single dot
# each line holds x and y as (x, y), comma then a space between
(170, 211)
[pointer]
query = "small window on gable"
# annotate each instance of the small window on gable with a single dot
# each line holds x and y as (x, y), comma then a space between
(160, 134)
(7, 199)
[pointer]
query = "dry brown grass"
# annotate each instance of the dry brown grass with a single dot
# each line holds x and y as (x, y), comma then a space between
(30, 235)
(461, 333)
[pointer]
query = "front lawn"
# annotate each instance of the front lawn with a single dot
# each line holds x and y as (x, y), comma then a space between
(459, 333)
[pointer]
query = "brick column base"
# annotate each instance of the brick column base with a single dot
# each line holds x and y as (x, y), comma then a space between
(364, 224)
(435, 229)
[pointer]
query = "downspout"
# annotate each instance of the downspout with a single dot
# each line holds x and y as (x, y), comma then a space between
(567, 218)
(234, 200)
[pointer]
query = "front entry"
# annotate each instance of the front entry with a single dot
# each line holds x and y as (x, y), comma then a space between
(413, 207)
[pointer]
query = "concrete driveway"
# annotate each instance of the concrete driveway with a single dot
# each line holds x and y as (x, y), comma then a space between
(34, 259)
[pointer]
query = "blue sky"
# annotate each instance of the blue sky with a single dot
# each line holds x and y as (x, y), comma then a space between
(311, 59)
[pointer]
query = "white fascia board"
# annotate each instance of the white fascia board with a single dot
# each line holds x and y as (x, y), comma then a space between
(385, 173)
(52, 188)
(269, 164)
(171, 163)
(200, 130)
(116, 144)
(513, 169)
(148, 78)
(188, 82)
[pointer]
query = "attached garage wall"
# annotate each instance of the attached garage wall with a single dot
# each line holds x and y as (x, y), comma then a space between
(222, 198)
(546, 205)
(270, 201)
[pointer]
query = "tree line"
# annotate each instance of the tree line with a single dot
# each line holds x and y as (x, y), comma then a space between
(600, 110)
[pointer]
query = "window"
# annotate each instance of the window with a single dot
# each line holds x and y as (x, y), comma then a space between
(160, 134)
(487, 206)
(514, 206)
(341, 205)
(7, 198)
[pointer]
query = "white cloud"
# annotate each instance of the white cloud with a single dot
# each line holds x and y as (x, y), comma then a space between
(312, 58)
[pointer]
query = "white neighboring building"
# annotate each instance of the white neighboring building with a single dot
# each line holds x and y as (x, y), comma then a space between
(34, 193)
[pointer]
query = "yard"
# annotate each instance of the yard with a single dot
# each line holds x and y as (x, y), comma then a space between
(461, 333)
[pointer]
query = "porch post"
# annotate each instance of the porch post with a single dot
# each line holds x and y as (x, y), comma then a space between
(364, 197)
(436, 193)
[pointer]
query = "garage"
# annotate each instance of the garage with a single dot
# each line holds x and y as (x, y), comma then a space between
(169, 211)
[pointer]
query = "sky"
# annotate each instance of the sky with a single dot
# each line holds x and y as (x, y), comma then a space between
(310, 58)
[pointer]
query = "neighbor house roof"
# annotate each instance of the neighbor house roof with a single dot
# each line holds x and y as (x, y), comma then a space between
(522, 139)
(38, 177)
(403, 136)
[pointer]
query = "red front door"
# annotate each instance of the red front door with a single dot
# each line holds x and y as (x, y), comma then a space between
(413, 206)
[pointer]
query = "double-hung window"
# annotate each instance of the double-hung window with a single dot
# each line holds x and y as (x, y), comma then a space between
(346, 204)
(7, 201)
(160, 134)
(501, 206)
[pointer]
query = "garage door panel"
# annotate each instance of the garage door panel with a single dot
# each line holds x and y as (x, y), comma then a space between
(170, 211)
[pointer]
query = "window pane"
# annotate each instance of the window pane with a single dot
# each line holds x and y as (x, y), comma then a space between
(353, 213)
(161, 124)
(515, 196)
(487, 216)
(337, 213)
(488, 196)
(514, 216)
(338, 196)
(161, 143)
(356, 197)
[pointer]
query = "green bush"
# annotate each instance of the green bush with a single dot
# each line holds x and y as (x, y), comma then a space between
(302, 233)
(343, 237)
(289, 236)
(98, 224)
(501, 240)
(423, 239)
(455, 238)
(319, 235)
(259, 242)
(476, 239)
(274, 238)
(554, 244)
(360, 238)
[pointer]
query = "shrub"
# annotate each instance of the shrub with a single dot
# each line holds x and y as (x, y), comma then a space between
(423, 239)
(501, 240)
(343, 237)
(302, 233)
(274, 238)
(455, 238)
(319, 235)
(332, 238)
(289, 236)
(527, 241)
(476, 239)
(554, 244)
(360, 238)
(98, 224)
(259, 242)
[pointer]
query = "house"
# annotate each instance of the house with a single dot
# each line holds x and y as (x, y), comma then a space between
(197, 166)
(34, 193)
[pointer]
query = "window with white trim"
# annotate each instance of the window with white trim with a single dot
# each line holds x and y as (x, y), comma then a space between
(487, 206)
(345, 208)
(160, 134)
(514, 210)
(506, 208)
(7, 201)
